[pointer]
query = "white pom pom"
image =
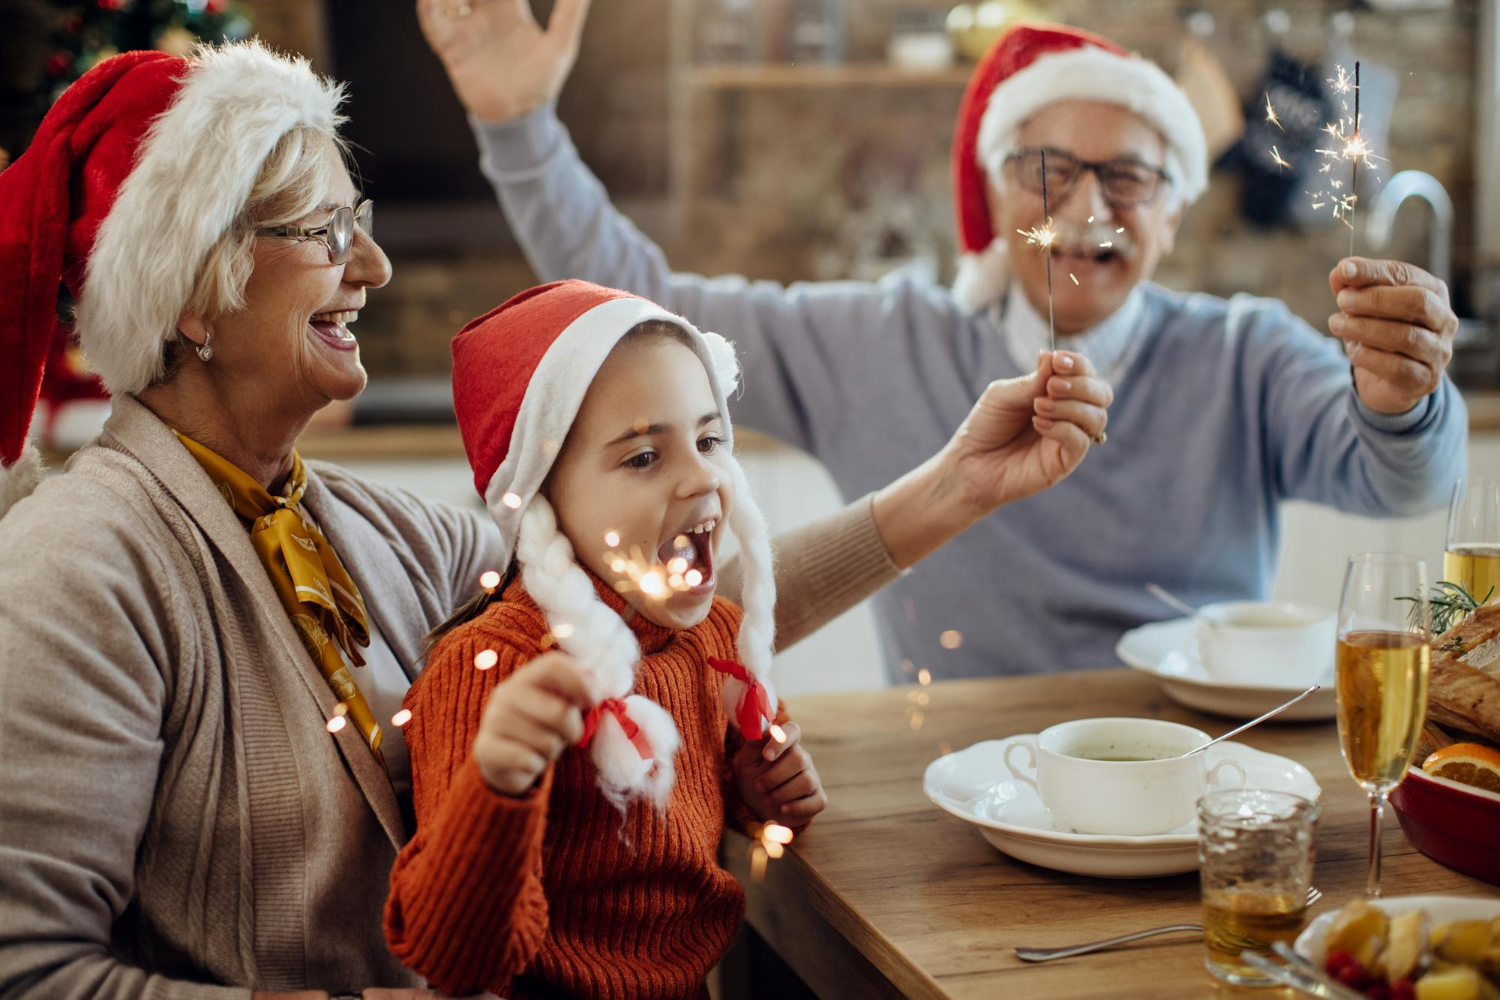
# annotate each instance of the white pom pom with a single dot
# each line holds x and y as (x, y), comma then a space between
(726, 364)
(18, 480)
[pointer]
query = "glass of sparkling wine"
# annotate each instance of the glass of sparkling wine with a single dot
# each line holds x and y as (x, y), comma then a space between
(1384, 652)
(1472, 557)
(1255, 854)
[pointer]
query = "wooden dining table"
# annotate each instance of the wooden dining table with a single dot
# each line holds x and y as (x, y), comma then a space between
(886, 895)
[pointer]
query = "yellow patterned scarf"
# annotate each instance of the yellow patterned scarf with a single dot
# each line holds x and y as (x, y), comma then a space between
(313, 585)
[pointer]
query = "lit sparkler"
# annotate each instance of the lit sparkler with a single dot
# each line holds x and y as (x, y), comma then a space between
(1345, 143)
(1044, 236)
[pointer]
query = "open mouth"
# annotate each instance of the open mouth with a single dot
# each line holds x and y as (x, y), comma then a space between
(688, 557)
(333, 329)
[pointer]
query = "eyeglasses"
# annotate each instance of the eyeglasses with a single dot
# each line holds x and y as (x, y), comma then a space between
(337, 234)
(1124, 181)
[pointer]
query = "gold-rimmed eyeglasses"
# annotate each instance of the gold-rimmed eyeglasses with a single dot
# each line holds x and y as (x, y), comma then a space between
(337, 234)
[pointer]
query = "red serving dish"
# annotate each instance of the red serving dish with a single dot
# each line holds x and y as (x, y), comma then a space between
(1451, 823)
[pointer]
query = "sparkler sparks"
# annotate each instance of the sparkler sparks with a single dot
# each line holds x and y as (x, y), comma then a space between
(1346, 144)
(1043, 237)
(1271, 113)
(485, 659)
(1073, 276)
(489, 580)
(401, 718)
(1278, 160)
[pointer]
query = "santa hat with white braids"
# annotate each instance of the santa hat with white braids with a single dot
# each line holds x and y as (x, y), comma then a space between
(1027, 68)
(520, 374)
(136, 173)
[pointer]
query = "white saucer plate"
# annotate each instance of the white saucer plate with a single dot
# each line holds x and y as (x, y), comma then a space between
(975, 785)
(1440, 909)
(1168, 651)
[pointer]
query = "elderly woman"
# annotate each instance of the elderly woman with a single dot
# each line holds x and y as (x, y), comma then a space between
(205, 637)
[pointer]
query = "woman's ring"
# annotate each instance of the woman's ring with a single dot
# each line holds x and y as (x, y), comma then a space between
(1100, 438)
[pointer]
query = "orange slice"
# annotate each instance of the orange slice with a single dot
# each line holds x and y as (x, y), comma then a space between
(1469, 763)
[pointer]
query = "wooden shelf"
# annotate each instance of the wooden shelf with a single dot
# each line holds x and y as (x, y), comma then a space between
(779, 76)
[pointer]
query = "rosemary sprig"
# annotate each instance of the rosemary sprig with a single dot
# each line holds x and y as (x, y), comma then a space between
(1451, 603)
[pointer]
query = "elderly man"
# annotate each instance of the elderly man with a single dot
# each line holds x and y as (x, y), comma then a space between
(1222, 409)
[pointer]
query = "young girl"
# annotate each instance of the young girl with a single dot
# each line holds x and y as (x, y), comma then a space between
(570, 803)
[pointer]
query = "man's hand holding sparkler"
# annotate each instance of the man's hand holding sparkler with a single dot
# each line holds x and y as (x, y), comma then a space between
(1023, 435)
(1397, 327)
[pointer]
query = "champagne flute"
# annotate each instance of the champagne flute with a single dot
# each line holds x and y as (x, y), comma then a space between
(1472, 553)
(1384, 651)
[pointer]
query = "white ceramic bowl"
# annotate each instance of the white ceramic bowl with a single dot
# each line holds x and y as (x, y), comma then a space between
(1440, 909)
(1266, 642)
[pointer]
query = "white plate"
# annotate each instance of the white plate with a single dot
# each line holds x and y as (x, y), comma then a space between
(1440, 909)
(1168, 651)
(975, 785)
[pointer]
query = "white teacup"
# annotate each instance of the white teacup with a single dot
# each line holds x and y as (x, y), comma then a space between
(1266, 644)
(1120, 776)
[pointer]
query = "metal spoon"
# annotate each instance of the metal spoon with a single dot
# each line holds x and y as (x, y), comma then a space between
(1255, 721)
(1047, 954)
(1172, 600)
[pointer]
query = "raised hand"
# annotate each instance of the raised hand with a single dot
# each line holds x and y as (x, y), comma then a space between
(502, 64)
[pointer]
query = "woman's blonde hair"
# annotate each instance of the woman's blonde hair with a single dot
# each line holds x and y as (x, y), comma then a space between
(293, 182)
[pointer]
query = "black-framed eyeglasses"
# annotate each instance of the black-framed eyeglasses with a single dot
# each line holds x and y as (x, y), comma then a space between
(1124, 181)
(337, 234)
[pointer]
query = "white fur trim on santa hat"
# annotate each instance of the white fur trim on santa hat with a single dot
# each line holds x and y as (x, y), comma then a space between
(193, 175)
(18, 480)
(1089, 73)
(982, 277)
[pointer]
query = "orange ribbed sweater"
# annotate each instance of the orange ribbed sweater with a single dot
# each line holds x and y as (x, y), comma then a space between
(553, 893)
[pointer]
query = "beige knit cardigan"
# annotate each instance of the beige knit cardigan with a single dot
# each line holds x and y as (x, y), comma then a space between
(175, 820)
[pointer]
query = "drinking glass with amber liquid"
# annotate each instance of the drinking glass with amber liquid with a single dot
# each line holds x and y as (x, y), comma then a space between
(1384, 652)
(1472, 555)
(1255, 863)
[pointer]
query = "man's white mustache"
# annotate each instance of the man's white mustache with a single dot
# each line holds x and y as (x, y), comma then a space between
(1085, 241)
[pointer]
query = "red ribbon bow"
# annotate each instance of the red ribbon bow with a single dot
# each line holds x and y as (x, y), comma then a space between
(616, 707)
(754, 705)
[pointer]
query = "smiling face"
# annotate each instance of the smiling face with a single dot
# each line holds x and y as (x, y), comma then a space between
(645, 475)
(1095, 132)
(290, 343)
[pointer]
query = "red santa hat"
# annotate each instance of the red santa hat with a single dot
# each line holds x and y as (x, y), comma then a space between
(520, 374)
(1027, 68)
(136, 172)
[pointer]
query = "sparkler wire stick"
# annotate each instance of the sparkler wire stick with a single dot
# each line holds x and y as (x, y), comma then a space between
(1354, 161)
(1047, 215)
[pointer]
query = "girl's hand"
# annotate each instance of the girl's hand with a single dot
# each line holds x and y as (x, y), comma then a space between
(529, 720)
(502, 64)
(777, 781)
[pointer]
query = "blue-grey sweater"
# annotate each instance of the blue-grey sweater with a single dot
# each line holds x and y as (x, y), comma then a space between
(1223, 409)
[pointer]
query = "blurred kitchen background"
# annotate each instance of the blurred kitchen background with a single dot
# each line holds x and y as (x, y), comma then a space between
(808, 140)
